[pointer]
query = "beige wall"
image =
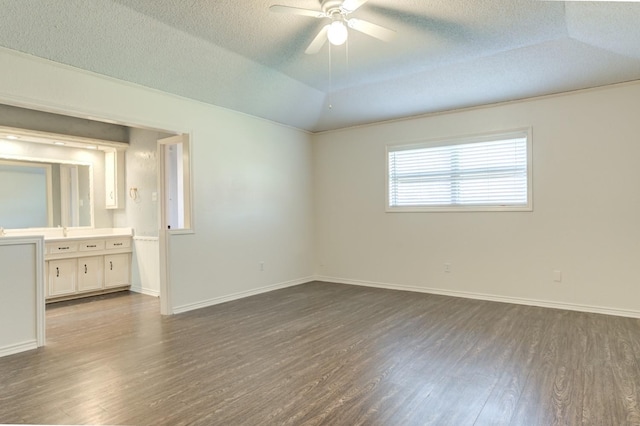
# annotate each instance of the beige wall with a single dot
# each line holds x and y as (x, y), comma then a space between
(585, 223)
(254, 192)
(141, 173)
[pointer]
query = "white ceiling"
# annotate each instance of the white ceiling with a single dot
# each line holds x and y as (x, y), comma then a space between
(448, 54)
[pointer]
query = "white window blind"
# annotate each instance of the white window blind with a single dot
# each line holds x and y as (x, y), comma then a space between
(491, 173)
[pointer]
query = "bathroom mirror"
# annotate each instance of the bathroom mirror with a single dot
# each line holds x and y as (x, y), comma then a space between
(36, 194)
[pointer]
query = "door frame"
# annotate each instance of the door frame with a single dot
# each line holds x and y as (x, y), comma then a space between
(165, 234)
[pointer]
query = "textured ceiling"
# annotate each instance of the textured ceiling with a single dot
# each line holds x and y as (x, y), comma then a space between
(234, 53)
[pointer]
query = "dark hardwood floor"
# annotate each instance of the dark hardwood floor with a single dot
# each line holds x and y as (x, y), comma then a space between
(324, 353)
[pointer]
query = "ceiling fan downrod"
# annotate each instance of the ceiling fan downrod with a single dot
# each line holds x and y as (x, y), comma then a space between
(331, 7)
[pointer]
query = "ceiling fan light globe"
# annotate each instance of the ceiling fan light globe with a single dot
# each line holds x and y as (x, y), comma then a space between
(337, 33)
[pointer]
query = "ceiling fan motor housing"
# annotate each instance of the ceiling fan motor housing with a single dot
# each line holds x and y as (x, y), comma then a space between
(337, 32)
(331, 7)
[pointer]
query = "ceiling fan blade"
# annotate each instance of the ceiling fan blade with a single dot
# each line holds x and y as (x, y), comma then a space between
(297, 11)
(318, 42)
(374, 30)
(351, 5)
(443, 28)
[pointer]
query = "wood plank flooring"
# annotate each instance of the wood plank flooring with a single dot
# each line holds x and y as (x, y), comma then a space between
(323, 353)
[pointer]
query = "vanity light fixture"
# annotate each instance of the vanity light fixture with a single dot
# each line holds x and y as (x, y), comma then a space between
(59, 143)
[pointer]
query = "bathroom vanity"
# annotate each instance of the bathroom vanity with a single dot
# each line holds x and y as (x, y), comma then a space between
(87, 265)
(81, 262)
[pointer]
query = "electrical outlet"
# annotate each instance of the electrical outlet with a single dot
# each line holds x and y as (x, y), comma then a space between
(557, 276)
(447, 268)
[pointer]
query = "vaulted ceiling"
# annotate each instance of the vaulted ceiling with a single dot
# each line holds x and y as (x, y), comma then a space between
(447, 54)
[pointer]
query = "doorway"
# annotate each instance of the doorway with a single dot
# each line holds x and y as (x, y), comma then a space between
(179, 198)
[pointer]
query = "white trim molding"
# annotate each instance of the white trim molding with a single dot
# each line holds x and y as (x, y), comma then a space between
(240, 295)
(18, 347)
(141, 290)
(489, 297)
(40, 292)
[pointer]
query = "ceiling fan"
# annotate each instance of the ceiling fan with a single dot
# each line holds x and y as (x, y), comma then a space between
(336, 31)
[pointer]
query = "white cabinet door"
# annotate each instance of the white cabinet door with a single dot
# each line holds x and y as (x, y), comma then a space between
(62, 277)
(90, 273)
(114, 179)
(110, 179)
(117, 270)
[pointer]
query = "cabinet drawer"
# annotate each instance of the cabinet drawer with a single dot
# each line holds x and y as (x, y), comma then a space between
(118, 243)
(62, 248)
(92, 245)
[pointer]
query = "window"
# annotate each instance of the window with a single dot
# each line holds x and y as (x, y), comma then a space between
(482, 173)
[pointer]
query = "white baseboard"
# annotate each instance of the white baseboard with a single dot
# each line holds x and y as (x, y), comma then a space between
(147, 291)
(240, 295)
(489, 297)
(18, 347)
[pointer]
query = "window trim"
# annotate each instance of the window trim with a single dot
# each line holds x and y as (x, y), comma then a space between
(461, 140)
